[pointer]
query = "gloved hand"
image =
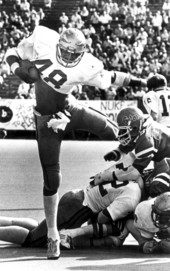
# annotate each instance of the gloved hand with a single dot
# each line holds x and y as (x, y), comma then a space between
(112, 156)
(95, 180)
(150, 246)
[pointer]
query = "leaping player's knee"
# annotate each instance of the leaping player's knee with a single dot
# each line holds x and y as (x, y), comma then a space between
(49, 192)
(52, 180)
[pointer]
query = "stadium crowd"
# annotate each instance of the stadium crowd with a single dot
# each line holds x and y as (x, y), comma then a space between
(126, 35)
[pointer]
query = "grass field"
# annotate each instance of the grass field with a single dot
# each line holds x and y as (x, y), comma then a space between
(21, 195)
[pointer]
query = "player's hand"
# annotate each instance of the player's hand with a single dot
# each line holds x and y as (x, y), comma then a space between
(150, 246)
(95, 179)
(111, 156)
(27, 72)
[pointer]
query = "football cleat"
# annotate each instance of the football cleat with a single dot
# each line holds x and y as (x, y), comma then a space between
(66, 240)
(53, 250)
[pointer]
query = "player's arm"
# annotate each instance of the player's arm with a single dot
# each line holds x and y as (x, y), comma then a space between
(146, 246)
(122, 170)
(97, 76)
(113, 174)
(125, 80)
(18, 59)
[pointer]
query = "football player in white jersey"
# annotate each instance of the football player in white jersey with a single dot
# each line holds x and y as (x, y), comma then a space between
(61, 62)
(157, 99)
(105, 205)
(151, 224)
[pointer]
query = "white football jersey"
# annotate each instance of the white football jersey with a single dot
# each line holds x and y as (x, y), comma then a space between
(158, 102)
(40, 48)
(120, 198)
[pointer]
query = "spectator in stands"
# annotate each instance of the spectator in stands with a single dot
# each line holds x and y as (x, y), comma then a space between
(155, 66)
(62, 28)
(165, 19)
(48, 4)
(25, 6)
(34, 18)
(95, 19)
(107, 43)
(122, 11)
(89, 30)
(63, 18)
(138, 93)
(79, 23)
(91, 3)
(110, 94)
(5, 19)
(142, 36)
(144, 63)
(114, 10)
(75, 17)
(121, 93)
(105, 18)
(16, 34)
(84, 13)
(166, 67)
(163, 54)
(17, 6)
(164, 34)
(119, 31)
(4, 69)
(157, 22)
(4, 40)
(89, 43)
(166, 7)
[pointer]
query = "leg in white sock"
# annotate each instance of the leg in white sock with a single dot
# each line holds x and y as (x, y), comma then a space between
(51, 208)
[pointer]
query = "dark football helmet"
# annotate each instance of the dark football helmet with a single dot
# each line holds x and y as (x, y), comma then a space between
(129, 122)
(156, 81)
(161, 211)
(71, 47)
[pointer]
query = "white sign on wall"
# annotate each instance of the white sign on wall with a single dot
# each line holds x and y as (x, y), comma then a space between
(17, 114)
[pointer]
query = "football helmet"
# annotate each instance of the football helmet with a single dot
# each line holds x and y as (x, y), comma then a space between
(143, 220)
(71, 47)
(129, 122)
(161, 211)
(156, 81)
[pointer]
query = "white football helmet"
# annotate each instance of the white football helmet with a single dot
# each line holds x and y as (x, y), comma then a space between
(71, 47)
(161, 211)
(143, 219)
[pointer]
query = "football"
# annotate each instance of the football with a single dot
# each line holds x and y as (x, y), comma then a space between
(34, 73)
(31, 70)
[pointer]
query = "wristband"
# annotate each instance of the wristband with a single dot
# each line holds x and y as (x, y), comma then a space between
(14, 66)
